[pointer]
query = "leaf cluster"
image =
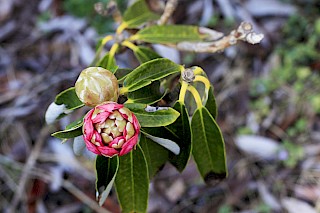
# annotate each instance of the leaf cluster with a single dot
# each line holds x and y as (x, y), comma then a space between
(172, 130)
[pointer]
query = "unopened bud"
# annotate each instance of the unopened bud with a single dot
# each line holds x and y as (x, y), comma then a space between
(96, 85)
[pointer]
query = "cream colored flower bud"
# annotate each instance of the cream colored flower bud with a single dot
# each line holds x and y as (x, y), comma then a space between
(96, 85)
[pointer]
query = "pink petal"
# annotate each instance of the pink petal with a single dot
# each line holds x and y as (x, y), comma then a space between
(91, 147)
(124, 132)
(109, 107)
(98, 137)
(107, 151)
(88, 129)
(101, 117)
(129, 145)
(124, 116)
(116, 140)
(136, 124)
(88, 115)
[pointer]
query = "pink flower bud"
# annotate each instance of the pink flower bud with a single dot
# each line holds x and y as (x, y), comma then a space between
(96, 85)
(110, 129)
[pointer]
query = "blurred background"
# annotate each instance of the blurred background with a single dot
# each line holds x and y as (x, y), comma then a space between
(268, 97)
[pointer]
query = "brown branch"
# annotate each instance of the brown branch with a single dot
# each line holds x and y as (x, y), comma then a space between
(244, 33)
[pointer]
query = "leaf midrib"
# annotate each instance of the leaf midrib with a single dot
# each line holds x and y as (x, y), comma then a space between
(203, 127)
(132, 182)
(148, 80)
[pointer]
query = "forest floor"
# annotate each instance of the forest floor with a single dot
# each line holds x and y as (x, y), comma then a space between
(268, 97)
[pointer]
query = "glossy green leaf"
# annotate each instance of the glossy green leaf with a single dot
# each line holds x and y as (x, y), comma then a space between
(168, 34)
(162, 132)
(122, 73)
(69, 98)
(147, 95)
(181, 127)
(108, 63)
(211, 104)
(145, 54)
(147, 118)
(166, 143)
(106, 171)
(150, 71)
(156, 155)
(208, 147)
(132, 182)
(72, 130)
(137, 14)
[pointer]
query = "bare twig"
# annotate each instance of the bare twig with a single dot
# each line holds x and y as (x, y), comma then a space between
(83, 197)
(43, 175)
(168, 10)
(28, 166)
(244, 32)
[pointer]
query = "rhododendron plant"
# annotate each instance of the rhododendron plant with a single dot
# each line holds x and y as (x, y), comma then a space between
(110, 129)
(174, 105)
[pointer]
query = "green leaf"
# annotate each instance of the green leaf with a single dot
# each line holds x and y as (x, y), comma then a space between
(161, 117)
(69, 98)
(166, 143)
(108, 63)
(162, 132)
(150, 71)
(211, 103)
(156, 155)
(181, 127)
(179, 132)
(208, 146)
(145, 54)
(106, 171)
(137, 14)
(132, 182)
(147, 95)
(121, 74)
(168, 34)
(72, 130)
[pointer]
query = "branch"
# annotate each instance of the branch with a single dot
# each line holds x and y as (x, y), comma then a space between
(244, 33)
(168, 10)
